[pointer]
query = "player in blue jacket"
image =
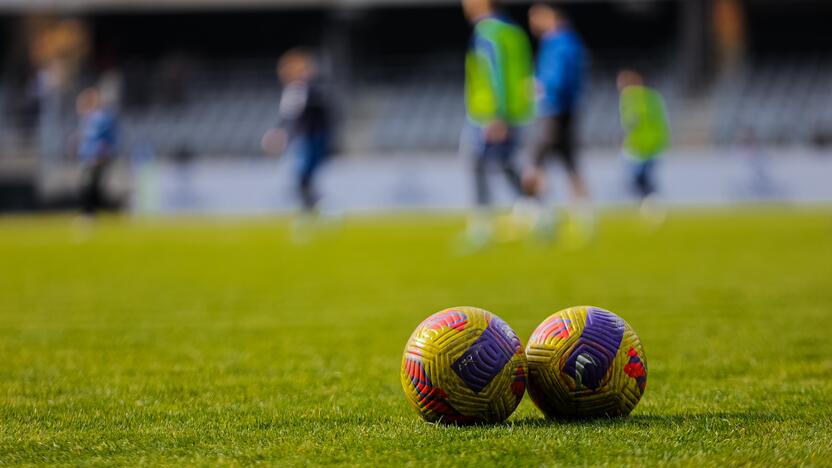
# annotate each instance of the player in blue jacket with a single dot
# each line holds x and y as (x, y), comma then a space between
(560, 73)
(98, 139)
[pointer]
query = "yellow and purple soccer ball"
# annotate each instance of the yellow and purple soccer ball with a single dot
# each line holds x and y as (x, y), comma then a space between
(464, 365)
(585, 362)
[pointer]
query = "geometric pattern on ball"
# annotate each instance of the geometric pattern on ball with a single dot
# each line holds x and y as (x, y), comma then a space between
(585, 362)
(464, 365)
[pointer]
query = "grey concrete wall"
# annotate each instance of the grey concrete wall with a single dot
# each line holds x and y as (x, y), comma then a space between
(431, 182)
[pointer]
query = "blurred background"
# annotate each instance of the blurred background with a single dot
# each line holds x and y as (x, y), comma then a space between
(748, 87)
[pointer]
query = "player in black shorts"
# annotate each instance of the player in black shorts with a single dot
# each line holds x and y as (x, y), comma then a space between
(560, 76)
(555, 135)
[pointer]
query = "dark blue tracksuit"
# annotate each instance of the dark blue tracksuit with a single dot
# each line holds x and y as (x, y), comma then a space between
(306, 114)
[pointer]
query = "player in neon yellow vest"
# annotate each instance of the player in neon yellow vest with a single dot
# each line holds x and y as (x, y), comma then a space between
(499, 75)
(500, 97)
(646, 129)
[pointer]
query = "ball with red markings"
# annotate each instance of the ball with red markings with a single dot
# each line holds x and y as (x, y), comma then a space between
(464, 365)
(585, 362)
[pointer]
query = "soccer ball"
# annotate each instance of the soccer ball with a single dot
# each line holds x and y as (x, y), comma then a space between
(464, 366)
(585, 362)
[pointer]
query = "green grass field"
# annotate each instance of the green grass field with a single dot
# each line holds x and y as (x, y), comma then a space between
(200, 342)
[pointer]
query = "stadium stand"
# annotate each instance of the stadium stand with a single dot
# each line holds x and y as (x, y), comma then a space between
(404, 95)
(780, 101)
(225, 112)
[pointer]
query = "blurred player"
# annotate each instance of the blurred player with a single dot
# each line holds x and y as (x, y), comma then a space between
(646, 135)
(560, 76)
(98, 137)
(499, 93)
(304, 122)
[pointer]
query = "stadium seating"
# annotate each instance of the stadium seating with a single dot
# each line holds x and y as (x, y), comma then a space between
(774, 101)
(230, 105)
